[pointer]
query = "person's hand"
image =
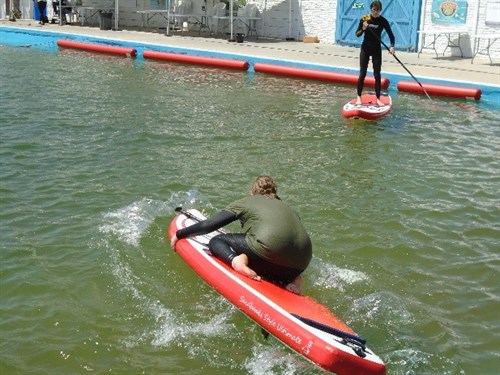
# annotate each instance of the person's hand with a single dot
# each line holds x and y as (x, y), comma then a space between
(392, 51)
(365, 25)
(173, 241)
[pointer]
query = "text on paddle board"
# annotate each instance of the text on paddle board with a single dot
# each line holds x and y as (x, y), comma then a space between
(269, 320)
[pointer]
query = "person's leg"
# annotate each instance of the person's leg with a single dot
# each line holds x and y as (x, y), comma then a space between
(39, 4)
(240, 265)
(232, 249)
(295, 286)
(363, 66)
(377, 67)
(43, 12)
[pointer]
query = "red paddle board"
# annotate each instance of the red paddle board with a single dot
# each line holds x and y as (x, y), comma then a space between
(368, 109)
(300, 322)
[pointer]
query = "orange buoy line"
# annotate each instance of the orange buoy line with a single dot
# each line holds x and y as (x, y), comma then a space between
(316, 74)
(100, 48)
(440, 90)
(197, 60)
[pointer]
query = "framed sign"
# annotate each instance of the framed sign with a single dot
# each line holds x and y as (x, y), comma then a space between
(493, 13)
(157, 4)
(449, 11)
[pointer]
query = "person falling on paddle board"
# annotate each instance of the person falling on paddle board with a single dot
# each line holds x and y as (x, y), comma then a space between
(273, 244)
(372, 25)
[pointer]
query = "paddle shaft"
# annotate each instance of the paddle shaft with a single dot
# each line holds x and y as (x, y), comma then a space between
(334, 331)
(188, 214)
(399, 61)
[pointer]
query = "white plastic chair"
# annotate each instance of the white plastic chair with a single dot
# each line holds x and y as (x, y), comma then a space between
(182, 7)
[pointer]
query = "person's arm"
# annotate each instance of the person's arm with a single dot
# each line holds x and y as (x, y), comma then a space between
(360, 29)
(363, 25)
(220, 219)
(391, 35)
(217, 221)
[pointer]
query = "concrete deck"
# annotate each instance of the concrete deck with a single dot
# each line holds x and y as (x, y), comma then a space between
(426, 66)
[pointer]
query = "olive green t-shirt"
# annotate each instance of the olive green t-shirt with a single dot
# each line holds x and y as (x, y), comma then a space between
(273, 230)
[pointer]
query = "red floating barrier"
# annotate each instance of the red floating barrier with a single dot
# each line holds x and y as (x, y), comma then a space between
(319, 75)
(197, 60)
(100, 48)
(440, 90)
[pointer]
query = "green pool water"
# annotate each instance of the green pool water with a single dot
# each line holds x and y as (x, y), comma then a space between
(97, 151)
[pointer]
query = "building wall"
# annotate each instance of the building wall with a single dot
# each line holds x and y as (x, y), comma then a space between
(475, 25)
(276, 18)
(488, 22)
(319, 19)
(129, 18)
(297, 18)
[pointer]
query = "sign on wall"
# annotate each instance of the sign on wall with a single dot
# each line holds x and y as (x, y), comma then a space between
(493, 13)
(449, 11)
(157, 4)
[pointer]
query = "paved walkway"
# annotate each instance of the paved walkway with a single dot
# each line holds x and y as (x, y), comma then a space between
(426, 66)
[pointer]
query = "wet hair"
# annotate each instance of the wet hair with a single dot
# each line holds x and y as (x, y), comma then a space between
(376, 4)
(265, 185)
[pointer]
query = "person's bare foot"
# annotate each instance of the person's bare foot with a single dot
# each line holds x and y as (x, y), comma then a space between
(379, 103)
(240, 265)
(358, 100)
(295, 286)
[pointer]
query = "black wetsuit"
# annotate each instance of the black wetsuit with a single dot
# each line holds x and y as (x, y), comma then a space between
(42, 7)
(371, 46)
(274, 239)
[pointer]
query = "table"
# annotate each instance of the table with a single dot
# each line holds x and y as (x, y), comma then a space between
(147, 15)
(150, 13)
(436, 34)
(65, 10)
(490, 40)
(92, 11)
(200, 19)
(249, 22)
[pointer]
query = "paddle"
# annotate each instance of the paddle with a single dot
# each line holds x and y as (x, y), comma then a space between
(188, 214)
(334, 331)
(399, 61)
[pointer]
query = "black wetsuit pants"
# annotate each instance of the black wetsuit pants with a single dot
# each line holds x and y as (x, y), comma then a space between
(364, 58)
(42, 7)
(227, 246)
